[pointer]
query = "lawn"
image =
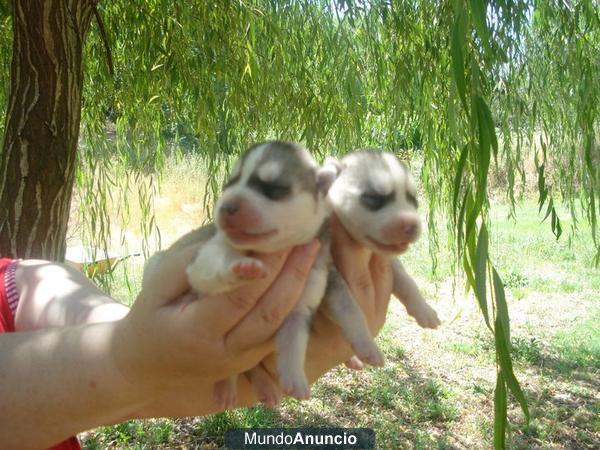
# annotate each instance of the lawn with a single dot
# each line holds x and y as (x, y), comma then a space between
(436, 390)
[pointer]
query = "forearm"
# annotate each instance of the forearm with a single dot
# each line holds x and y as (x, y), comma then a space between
(194, 396)
(55, 295)
(57, 382)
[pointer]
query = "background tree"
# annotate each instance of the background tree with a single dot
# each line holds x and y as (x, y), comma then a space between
(41, 131)
(460, 84)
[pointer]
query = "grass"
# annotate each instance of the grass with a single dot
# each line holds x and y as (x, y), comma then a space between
(437, 388)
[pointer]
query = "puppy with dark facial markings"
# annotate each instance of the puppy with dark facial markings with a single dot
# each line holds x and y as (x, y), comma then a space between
(275, 198)
(375, 199)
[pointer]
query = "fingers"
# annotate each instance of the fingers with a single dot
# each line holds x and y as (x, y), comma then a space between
(341, 239)
(218, 314)
(273, 307)
(352, 261)
(381, 273)
(368, 275)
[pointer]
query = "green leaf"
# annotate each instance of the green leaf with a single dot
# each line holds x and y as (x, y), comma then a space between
(502, 338)
(467, 200)
(468, 272)
(458, 178)
(500, 411)
(478, 10)
(501, 306)
(486, 129)
(556, 227)
(458, 46)
(549, 209)
(541, 187)
(480, 266)
(486, 116)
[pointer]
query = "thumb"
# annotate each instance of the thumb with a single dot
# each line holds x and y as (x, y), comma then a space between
(169, 280)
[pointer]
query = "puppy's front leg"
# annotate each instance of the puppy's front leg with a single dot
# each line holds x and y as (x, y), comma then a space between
(408, 293)
(344, 310)
(218, 267)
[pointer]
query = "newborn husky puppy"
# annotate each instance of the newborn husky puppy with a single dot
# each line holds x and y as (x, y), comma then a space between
(275, 198)
(374, 197)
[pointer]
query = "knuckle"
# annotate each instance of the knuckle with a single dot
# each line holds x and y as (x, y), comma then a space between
(362, 282)
(271, 316)
(240, 301)
(299, 274)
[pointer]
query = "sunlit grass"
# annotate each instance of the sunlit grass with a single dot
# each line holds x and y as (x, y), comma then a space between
(436, 390)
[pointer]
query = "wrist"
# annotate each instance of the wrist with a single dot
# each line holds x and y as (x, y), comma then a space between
(132, 362)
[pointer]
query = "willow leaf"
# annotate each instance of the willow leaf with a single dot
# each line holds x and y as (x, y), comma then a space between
(503, 345)
(457, 180)
(458, 46)
(480, 266)
(478, 11)
(500, 410)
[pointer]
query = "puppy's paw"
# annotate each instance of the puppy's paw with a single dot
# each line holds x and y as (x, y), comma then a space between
(295, 385)
(426, 316)
(249, 269)
(368, 352)
(225, 393)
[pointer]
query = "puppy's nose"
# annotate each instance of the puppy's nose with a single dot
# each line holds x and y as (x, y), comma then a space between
(230, 208)
(409, 230)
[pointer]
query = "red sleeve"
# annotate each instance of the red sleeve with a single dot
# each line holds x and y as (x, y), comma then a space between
(8, 303)
(69, 444)
(7, 322)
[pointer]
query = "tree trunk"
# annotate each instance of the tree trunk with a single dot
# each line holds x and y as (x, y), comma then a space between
(37, 164)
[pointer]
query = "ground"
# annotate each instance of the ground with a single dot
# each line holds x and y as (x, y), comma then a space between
(437, 388)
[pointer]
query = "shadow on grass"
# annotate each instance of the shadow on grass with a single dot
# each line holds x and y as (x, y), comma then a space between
(565, 405)
(566, 417)
(404, 407)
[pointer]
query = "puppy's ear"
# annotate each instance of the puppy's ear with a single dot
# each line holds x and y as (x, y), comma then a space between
(327, 174)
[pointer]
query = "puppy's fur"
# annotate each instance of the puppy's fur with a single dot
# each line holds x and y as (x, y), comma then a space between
(375, 198)
(275, 198)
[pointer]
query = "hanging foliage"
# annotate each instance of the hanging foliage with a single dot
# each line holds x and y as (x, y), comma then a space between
(466, 85)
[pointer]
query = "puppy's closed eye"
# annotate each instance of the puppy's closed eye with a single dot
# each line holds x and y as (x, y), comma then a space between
(373, 201)
(273, 190)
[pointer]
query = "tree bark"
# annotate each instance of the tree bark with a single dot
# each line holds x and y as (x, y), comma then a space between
(37, 164)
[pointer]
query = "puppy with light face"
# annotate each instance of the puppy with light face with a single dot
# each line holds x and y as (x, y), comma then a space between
(375, 198)
(274, 199)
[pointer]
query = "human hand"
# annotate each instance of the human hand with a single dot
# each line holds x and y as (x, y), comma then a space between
(169, 333)
(370, 279)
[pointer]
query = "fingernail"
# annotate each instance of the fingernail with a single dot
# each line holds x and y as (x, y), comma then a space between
(312, 248)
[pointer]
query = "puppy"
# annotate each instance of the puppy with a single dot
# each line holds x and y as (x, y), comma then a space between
(374, 197)
(275, 198)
